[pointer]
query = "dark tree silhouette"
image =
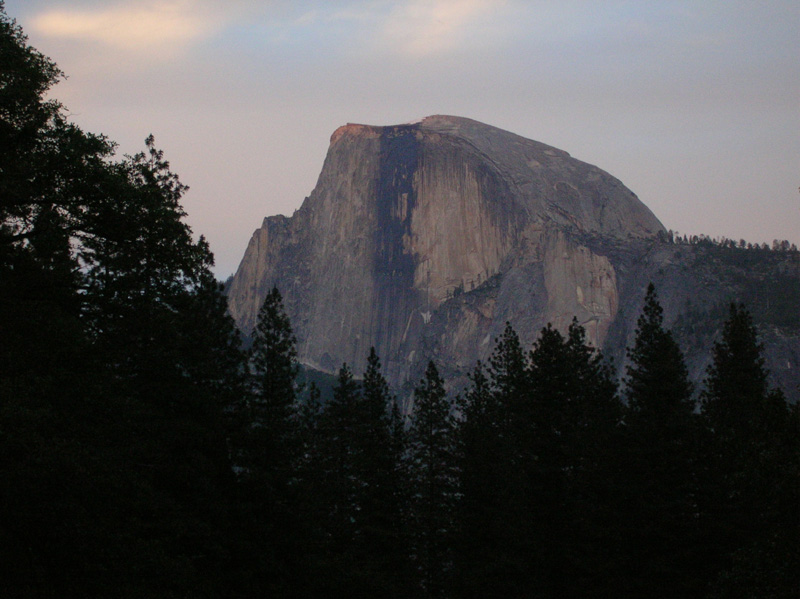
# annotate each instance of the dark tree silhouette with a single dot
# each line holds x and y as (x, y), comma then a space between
(483, 565)
(575, 420)
(659, 491)
(383, 550)
(433, 483)
(754, 467)
(115, 363)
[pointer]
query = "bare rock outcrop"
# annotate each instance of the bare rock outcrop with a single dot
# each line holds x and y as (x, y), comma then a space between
(424, 239)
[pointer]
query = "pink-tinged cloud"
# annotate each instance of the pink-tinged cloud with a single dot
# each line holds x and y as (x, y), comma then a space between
(420, 28)
(145, 28)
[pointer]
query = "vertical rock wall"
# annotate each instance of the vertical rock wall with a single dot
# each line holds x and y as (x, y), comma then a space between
(422, 240)
(581, 285)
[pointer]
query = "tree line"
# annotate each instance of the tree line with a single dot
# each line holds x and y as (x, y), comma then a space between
(144, 453)
(778, 245)
(543, 478)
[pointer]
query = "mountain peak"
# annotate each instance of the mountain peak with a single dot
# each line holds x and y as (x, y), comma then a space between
(405, 218)
(423, 239)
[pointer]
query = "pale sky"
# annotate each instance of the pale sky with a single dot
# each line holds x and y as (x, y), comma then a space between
(695, 106)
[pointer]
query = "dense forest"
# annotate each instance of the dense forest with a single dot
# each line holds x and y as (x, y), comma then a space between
(145, 453)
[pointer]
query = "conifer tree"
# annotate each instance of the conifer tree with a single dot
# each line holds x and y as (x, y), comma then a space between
(433, 483)
(660, 495)
(657, 384)
(358, 493)
(309, 450)
(375, 437)
(398, 445)
(114, 365)
(493, 545)
(596, 410)
(575, 416)
(273, 358)
(752, 489)
(341, 487)
(483, 563)
(269, 411)
(507, 372)
(266, 451)
(383, 548)
(140, 263)
(736, 400)
(342, 427)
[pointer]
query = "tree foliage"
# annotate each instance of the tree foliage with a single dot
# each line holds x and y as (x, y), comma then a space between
(753, 466)
(433, 483)
(659, 480)
(117, 360)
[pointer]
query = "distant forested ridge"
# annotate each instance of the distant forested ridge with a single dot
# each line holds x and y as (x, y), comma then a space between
(145, 453)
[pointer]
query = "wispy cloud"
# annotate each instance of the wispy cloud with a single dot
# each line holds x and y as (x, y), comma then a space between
(423, 27)
(147, 28)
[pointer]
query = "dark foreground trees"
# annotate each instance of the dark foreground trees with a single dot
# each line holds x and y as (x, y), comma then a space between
(116, 360)
(534, 465)
(658, 490)
(566, 490)
(433, 484)
(753, 462)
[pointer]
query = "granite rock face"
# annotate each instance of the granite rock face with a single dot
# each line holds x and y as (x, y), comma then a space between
(424, 239)
(406, 218)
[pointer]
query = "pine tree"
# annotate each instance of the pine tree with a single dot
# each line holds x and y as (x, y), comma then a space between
(269, 409)
(342, 428)
(596, 409)
(484, 559)
(340, 487)
(267, 449)
(535, 467)
(433, 483)
(494, 545)
(140, 262)
(383, 547)
(657, 385)
(507, 372)
(273, 357)
(752, 489)
(736, 400)
(510, 401)
(660, 492)
(310, 445)
(575, 416)
(117, 359)
(209, 344)
(358, 494)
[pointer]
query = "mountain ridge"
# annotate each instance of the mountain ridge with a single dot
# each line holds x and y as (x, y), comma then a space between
(406, 219)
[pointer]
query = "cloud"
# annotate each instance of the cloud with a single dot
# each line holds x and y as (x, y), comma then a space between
(421, 28)
(148, 27)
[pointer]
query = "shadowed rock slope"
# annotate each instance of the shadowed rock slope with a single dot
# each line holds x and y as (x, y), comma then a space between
(423, 239)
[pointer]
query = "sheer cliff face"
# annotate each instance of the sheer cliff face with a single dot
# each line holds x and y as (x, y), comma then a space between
(424, 239)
